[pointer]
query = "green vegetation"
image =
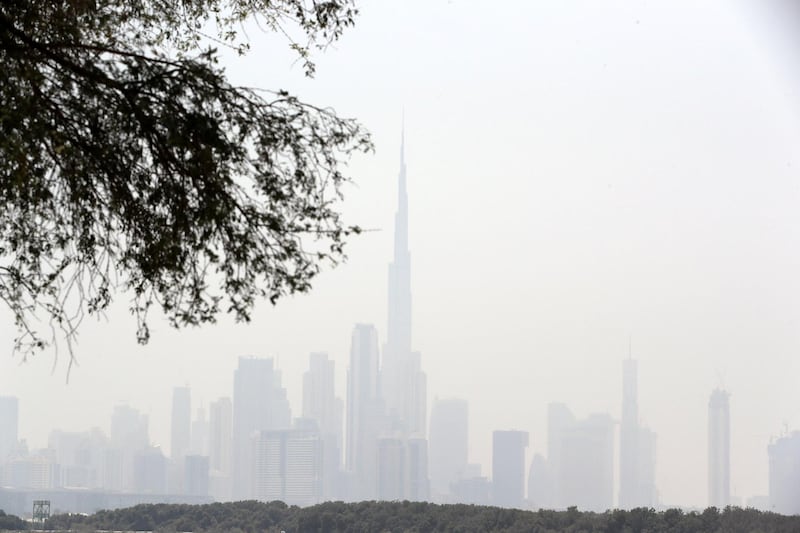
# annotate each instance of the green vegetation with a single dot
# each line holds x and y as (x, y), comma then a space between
(250, 516)
(9, 521)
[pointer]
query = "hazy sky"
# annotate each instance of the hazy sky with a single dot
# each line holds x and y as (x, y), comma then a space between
(580, 173)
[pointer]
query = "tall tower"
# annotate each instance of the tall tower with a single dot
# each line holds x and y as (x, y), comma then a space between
(784, 474)
(259, 403)
(402, 380)
(508, 467)
(181, 433)
(321, 405)
(629, 438)
(220, 442)
(448, 444)
(719, 449)
(364, 412)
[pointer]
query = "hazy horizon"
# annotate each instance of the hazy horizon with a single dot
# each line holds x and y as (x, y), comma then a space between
(581, 179)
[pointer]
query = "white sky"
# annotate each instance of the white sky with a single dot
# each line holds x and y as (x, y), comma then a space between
(580, 172)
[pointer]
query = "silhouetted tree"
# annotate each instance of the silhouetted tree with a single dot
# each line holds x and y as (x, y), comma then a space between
(129, 161)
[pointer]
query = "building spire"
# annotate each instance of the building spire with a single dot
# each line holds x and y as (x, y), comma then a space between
(403, 139)
(401, 217)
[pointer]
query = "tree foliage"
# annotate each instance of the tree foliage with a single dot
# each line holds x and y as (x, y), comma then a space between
(128, 161)
(367, 517)
(10, 522)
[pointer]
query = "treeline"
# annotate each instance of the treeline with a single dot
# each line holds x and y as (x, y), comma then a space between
(11, 522)
(375, 517)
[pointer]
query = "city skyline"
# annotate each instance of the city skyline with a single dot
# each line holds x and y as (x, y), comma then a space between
(300, 460)
(391, 428)
(289, 460)
(579, 177)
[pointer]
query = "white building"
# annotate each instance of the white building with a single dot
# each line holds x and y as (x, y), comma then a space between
(288, 466)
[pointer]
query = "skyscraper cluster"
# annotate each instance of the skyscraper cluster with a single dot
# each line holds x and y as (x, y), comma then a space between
(377, 444)
(387, 449)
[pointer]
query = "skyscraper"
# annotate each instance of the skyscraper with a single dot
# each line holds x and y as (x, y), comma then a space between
(288, 466)
(648, 493)
(129, 435)
(402, 469)
(9, 426)
(181, 434)
(259, 403)
(196, 478)
(150, 471)
(719, 449)
(583, 459)
(403, 384)
(321, 404)
(540, 484)
(418, 484)
(364, 412)
(180, 438)
(392, 469)
(784, 474)
(508, 468)
(629, 438)
(559, 418)
(200, 433)
(448, 444)
(220, 442)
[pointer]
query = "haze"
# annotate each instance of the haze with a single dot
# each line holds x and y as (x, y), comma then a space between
(586, 181)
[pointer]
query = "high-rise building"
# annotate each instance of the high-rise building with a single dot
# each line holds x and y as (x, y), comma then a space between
(784, 475)
(220, 428)
(629, 438)
(391, 469)
(129, 435)
(448, 445)
(259, 404)
(181, 434)
(150, 471)
(540, 484)
(37, 472)
(636, 447)
(220, 448)
(288, 466)
(403, 468)
(583, 473)
(418, 484)
(719, 449)
(9, 426)
(472, 490)
(79, 456)
(364, 412)
(403, 384)
(113, 466)
(180, 438)
(196, 475)
(648, 493)
(508, 468)
(559, 418)
(321, 404)
(200, 433)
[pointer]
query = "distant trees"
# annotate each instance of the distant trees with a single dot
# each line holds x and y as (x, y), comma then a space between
(11, 522)
(370, 517)
(128, 160)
